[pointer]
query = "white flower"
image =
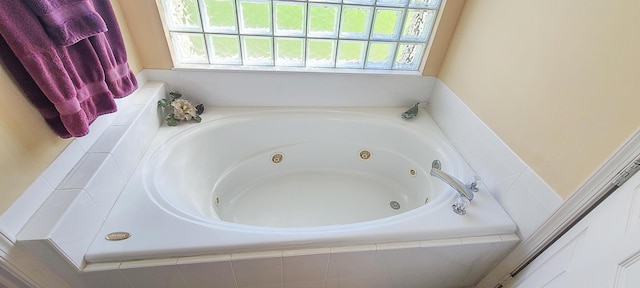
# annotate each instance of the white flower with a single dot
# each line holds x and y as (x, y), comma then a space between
(183, 109)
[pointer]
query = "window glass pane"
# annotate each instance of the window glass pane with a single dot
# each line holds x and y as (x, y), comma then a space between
(356, 21)
(289, 52)
(432, 4)
(387, 23)
(255, 17)
(396, 3)
(189, 47)
(408, 57)
(224, 49)
(257, 50)
(364, 2)
(417, 26)
(351, 54)
(321, 53)
(323, 20)
(380, 55)
(359, 34)
(182, 15)
(290, 18)
(219, 16)
(326, 1)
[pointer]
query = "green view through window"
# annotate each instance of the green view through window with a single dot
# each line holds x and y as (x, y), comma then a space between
(360, 34)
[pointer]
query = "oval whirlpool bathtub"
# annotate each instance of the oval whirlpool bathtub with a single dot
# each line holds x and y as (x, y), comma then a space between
(252, 180)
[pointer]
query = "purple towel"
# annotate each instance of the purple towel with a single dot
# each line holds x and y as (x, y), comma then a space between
(68, 21)
(70, 85)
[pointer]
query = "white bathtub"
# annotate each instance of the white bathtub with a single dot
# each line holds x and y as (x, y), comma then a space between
(265, 179)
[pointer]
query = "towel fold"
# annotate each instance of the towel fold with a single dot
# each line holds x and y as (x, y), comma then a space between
(68, 21)
(69, 85)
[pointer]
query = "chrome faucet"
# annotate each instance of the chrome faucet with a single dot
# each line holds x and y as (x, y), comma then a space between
(412, 112)
(463, 190)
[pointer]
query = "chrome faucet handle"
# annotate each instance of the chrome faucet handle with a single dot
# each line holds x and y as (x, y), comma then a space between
(436, 164)
(473, 186)
(461, 205)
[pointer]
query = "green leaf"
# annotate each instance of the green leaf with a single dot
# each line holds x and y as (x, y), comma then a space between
(199, 109)
(163, 103)
(174, 95)
(171, 120)
(197, 118)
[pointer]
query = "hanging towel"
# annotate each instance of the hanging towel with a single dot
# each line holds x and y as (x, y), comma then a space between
(31, 90)
(69, 85)
(68, 21)
(113, 55)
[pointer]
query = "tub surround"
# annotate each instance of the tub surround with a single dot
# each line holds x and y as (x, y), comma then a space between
(507, 173)
(295, 89)
(72, 213)
(521, 192)
(446, 263)
(136, 212)
(524, 195)
(15, 218)
(450, 262)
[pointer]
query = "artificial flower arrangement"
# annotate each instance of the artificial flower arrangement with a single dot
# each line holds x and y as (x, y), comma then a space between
(183, 110)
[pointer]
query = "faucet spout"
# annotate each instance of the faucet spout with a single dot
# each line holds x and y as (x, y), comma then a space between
(462, 189)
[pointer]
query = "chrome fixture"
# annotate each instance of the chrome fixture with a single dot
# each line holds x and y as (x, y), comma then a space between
(464, 190)
(412, 112)
(461, 205)
(473, 186)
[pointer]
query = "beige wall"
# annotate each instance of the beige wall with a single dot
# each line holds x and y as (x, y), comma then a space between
(27, 145)
(443, 32)
(134, 59)
(558, 81)
(144, 24)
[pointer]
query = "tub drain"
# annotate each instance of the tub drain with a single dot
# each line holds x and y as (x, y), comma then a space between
(276, 158)
(365, 154)
(395, 205)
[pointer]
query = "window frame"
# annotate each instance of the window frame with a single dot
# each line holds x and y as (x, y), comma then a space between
(433, 56)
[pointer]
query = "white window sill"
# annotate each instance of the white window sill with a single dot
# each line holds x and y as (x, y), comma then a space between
(270, 69)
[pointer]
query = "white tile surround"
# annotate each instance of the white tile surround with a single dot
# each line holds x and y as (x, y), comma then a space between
(76, 178)
(445, 263)
(520, 191)
(225, 88)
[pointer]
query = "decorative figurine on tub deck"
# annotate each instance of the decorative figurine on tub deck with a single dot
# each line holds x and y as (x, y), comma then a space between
(183, 110)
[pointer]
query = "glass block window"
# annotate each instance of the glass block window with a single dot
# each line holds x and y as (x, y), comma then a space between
(355, 34)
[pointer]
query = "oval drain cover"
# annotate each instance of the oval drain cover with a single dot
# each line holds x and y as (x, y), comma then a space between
(117, 236)
(395, 205)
